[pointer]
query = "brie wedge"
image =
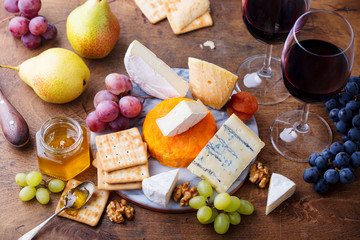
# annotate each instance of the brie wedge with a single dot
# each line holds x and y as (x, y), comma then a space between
(151, 74)
(158, 188)
(182, 117)
(280, 189)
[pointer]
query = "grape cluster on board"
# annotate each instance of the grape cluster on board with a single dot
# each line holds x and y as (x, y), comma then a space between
(31, 180)
(208, 211)
(337, 163)
(29, 26)
(114, 106)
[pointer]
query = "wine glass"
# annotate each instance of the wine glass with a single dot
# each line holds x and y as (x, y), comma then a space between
(269, 22)
(316, 63)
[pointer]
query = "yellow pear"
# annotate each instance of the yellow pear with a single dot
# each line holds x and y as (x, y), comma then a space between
(57, 75)
(92, 29)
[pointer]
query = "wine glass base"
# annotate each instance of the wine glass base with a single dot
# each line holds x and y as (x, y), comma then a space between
(271, 90)
(298, 146)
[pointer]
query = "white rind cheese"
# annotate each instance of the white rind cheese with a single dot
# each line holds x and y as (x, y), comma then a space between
(280, 189)
(227, 154)
(158, 188)
(151, 74)
(182, 117)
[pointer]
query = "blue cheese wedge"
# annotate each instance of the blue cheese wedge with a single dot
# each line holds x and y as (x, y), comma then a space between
(158, 188)
(280, 189)
(182, 117)
(227, 154)
(151, 74)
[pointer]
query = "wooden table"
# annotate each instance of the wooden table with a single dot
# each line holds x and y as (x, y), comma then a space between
(306, 215)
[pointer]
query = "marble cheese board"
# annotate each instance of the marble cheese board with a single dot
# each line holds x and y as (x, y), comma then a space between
(136, 196)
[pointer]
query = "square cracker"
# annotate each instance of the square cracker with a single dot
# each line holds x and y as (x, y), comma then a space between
(91, 212)
(121, 149)
(181, 13)
(118, 186)
(204, 20)
(153, 10)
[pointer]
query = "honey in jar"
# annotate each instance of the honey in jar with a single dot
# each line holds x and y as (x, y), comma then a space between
(62, 148)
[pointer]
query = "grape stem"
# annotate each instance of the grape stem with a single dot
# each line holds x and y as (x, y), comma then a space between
(7, 18)
(144, 98)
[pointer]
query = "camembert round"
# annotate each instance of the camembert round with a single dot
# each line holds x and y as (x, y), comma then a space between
(179, 150)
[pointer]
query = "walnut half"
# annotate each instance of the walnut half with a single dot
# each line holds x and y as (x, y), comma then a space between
(184, 193)
(259, 174)
(116, 210)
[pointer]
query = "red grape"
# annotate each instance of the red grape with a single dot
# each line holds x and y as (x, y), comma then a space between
(18, 26)
(50, 33)
(93, 122)
(118, 83)
(29, 16)
(38, 25)
(107, 111)
(29, 7)
(119, 124)
(130, 106)
(11, 6)
(104, 95)
(31, 41)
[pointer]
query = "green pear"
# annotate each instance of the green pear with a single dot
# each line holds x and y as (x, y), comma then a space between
(57, 75)
(92, 29)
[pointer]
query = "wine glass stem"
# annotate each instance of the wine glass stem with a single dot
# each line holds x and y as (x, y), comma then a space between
(266, 71)
(302, 126)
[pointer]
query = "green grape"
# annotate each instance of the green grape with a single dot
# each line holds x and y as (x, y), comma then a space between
(20, 178)
(204, 213)
(235, 218)
(56, 185)
(33, 178)
(234, 204)
(27, 193)
(222, 201)
(197, 202)
(42, 195)
(213, 216)
(205, 189)
(221, 223)
(246, 208)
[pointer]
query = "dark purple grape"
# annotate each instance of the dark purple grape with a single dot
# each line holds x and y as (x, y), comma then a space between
(350, 147)
(18, 26)
(342, 127)
(352, 88)
(346, 176)
(31, 41)
(326, 153)
(345, 114)
(333, 115)
(51, 32)
(336, 147)
(355, 159)
(354, 134)
(312, 158)
(311, 175)
(356, 121)
(11, 6)
(331, 104)
(321, 163)
(321, 186)
(353, 105)
(355, 79)
(119, 124)
(331, 176)
(345, 98)
(342, 159)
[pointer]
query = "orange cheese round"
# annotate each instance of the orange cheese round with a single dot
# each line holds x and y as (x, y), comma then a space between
(179, 150)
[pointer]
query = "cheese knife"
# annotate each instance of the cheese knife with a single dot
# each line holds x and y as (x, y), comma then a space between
(13, 125)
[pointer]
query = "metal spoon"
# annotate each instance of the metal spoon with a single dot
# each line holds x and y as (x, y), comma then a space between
(89, 186)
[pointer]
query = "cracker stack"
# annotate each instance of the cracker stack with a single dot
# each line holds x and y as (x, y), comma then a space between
(183, 15)
(121, 160)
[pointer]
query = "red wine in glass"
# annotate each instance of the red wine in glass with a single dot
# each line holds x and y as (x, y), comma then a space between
(270, 21)
(311, 82)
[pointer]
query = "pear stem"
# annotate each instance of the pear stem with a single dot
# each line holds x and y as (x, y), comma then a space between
(13, 68)
(7, 19)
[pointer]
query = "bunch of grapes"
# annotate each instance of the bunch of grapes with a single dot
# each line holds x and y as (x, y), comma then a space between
(29, 26)
(30, 181)
(114, 106)
(333, 165)
(344, 111)
(208, 212)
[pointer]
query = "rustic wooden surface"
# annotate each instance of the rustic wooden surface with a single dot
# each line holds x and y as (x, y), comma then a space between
(306, 215)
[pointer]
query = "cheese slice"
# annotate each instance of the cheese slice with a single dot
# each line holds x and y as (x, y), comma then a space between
(158, 188)
(280, 189)
(227, 154)
(151, 74)
(182, 117)
(211, 84)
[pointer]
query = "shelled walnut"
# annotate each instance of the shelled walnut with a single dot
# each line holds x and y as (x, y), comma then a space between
(116, 210)
(259, 174)
(184, 193)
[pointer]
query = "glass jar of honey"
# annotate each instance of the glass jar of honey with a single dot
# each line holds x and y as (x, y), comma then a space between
(62, 148)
